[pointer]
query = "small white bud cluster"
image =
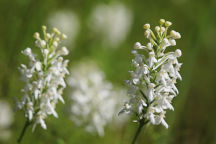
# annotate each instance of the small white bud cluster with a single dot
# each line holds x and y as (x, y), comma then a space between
(44, 77)
(152, 84)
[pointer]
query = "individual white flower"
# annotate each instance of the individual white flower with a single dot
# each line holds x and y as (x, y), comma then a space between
(150, 93)
(94, 100)
(152, 59)
(138, 45)
(112, 22)
(44, 78)
(147, 33)
(6, 119)
(149, 46)
(151, 90)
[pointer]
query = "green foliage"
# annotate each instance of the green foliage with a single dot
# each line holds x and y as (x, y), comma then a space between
(193, 120)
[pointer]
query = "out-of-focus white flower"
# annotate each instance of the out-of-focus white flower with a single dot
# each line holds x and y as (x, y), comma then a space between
(94, 100)
(67, 22)
(152, 84)
(112, 22)
(6, 119)
(44, 78)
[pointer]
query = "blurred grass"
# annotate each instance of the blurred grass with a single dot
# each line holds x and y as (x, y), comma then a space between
(192, 122)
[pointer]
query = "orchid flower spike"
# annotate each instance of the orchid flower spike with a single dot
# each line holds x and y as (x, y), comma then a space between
(151, 87)
(43, 77)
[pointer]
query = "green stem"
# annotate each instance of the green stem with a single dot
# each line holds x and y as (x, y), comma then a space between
(27, 123)
(141, 124)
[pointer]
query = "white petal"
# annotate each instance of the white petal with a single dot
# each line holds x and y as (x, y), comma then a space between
(42, 123)
(38, 66)
(164, 123)
(152, 119)
(30, 114)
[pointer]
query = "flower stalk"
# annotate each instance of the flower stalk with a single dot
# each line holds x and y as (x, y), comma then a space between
(27, 123)
(141, 124)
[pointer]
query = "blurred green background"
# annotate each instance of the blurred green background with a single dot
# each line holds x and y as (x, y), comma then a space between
(192, 122)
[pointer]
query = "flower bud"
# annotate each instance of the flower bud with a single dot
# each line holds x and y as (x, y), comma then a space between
(57, 39)
(163, 29)
(168, 23)
(64, 51)
(36, 35)
(27, 51)
(175, 35)
(55, 30)
(48, 35)
(157, 28)
(178, 35)
(146, 26)
(64, 36)
(44, 28)
(178, 53)
(172, 42)
(55, 43)
(162, 21)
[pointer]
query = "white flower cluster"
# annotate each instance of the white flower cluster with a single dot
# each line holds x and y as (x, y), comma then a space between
(67, 22)
(94, 101)
(152, 84)
(44, 77)
(112, 22)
